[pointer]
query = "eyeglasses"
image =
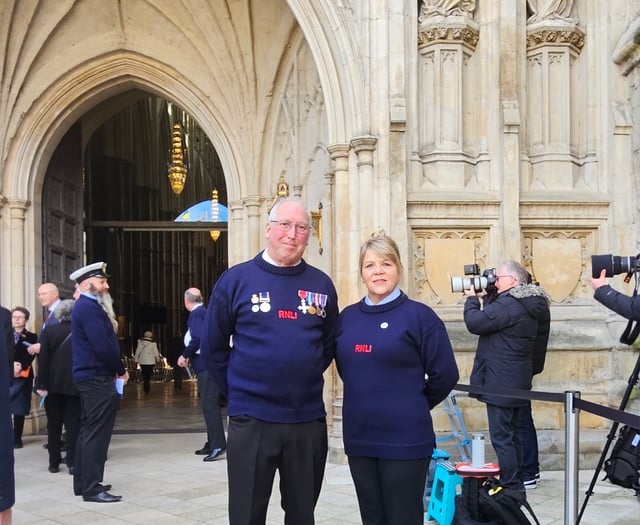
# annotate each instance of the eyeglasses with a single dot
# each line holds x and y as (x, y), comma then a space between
(285, 226)
(503, 276)
(14, 316)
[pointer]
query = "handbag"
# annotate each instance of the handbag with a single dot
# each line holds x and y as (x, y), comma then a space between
(24, 373)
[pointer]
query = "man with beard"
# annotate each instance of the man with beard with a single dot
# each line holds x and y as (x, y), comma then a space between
(96, 365)
(106, 301)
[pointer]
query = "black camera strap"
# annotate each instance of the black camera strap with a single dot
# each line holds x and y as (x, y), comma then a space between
(630, 333)
(632, 330)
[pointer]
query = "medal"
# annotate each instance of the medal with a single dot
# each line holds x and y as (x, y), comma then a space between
(303, 303)
(312, 309)
(322, 301)
(265, 301)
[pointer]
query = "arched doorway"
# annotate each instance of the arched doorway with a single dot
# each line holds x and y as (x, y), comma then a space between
(259, 96)
(108, 197)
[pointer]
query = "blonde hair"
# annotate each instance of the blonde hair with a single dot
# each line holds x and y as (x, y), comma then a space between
(382, 245)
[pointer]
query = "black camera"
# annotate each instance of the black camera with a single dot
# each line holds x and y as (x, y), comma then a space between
(614, 264)
(480, 281)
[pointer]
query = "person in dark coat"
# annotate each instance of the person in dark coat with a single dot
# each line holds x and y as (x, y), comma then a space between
(7, 479)
(507, 328)
(55, 384)
(22, 384)
(216, 445)
(530, 462)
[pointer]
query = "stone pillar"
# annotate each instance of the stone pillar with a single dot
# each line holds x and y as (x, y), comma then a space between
(342, 219)
(237, 251)
(444, 44)
(255, 223)
(343, 272)
(17, 210)
(554, 96)
(328, 218)
(510, 176)
(364, 213)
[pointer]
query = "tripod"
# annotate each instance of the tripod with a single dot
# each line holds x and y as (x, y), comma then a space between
(633, 379)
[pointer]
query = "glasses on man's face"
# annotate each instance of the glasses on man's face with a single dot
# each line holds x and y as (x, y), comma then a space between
(285, 226)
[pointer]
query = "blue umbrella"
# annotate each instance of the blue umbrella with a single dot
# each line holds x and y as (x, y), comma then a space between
(201, 212)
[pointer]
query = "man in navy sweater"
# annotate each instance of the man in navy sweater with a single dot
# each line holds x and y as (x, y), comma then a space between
(96, 365)
(280, 315)
(216, 443)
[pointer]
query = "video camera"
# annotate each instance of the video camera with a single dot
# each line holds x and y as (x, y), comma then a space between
(480, 280)
(614, 265)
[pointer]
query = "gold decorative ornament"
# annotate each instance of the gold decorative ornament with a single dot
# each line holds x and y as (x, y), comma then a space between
(177, 169)
(215, 214)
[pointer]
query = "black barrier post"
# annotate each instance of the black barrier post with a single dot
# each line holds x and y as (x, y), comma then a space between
(571, 460)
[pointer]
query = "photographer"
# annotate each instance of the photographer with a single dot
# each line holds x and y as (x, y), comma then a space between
(627, 307)
(507, 327)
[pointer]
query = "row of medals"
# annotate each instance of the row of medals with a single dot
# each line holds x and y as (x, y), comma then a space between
(313, 303)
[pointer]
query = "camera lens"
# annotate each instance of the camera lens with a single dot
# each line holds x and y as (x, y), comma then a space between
(613, 264)
(460, 284)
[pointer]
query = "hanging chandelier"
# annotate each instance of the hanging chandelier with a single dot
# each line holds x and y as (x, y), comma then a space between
(177, 169)
(215, 214)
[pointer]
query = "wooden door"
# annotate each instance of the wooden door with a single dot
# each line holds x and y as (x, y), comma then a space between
(62, 211)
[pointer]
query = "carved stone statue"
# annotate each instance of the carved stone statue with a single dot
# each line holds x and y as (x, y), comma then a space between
(550, 10)
(447, 7)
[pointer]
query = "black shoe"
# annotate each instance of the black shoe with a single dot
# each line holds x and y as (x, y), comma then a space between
(204, 451)
(54, 469)
(216, 453)
(103, 488)
(18, 444)
(102, 497)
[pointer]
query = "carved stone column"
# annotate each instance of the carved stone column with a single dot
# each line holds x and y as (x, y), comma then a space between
(343, 272)
(364, 212)
(554, 96)
(237, 252)
(255, 224)
(17, 210)
(444, 44)
(328, 217)
(342, 218)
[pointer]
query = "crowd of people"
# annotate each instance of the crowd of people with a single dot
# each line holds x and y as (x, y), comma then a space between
(271, 328)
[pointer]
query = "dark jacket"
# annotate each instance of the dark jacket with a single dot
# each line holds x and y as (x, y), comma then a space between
(21, 353)
(195, 324)
(508, 328)
(7, 481)
(540, 310)
(55, 360)
(627, 307)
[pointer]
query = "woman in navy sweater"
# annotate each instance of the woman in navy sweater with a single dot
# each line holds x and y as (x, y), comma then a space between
(396, 362)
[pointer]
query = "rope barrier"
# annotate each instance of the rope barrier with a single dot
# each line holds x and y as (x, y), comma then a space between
(572, 404)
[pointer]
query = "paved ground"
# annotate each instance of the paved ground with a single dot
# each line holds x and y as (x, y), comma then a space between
(152, 465)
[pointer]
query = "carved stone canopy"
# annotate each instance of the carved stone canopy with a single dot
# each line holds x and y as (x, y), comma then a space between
(448, 29)
(555, 32)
